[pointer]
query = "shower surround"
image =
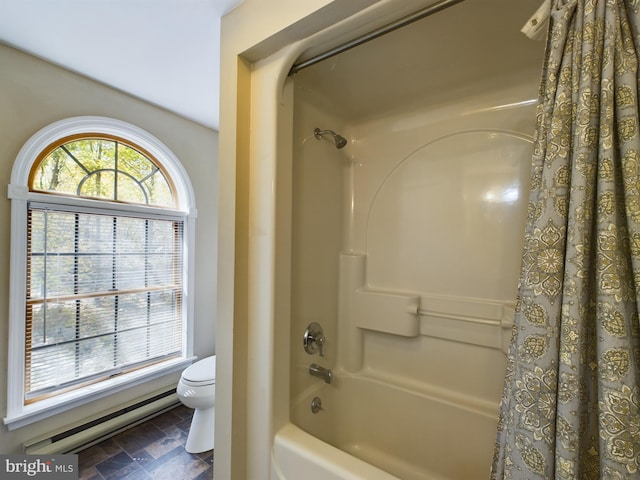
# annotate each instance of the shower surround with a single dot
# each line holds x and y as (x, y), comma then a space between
(406, 249)
(404, 245)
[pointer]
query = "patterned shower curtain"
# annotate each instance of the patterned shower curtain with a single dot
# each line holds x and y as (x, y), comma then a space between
(571, 404)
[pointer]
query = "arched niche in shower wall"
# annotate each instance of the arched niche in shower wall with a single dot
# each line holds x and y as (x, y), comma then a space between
(449, 219)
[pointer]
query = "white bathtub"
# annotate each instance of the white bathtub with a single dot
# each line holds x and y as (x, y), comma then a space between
(405, 246)
(297, 453)
(375, 430)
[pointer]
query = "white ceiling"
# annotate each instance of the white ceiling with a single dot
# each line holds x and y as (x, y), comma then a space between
(166, 52)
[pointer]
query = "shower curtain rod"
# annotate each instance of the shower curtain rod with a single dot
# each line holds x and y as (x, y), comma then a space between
(390, 27)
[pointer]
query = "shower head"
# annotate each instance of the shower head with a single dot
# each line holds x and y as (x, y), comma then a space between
(338, 140)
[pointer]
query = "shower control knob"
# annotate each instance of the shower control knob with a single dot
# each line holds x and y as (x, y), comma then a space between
(313, 340)
(316, 404)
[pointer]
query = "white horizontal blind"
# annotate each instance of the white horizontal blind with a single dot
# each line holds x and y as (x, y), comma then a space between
(104, 295)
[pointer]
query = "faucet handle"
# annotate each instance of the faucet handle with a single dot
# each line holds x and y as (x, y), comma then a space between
(320, 342)
(313, 340)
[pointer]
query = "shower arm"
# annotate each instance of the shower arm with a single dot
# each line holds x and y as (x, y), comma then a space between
(338, 140)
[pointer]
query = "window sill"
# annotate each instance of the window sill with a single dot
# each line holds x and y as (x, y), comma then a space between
(67, 401)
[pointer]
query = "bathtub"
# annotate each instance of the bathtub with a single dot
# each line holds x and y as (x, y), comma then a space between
(370, 428)
(404, 245)
(296, 451)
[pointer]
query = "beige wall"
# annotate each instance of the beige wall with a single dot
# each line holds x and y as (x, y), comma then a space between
(250, 33)
(33, 94)
(244, 28)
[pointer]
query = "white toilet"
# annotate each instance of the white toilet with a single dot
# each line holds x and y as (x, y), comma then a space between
(197, 389)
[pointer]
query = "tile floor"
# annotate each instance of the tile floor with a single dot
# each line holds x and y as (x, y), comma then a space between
(151, 450)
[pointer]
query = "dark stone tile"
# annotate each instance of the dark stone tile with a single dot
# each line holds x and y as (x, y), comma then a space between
(114, 464)
(183, 412)
(142, 457)
(206, 475)
(184, 466)
(206, 457)
(153, 450)
(165, 420)
(139, 474)
(176, 432)
(110, 447)
(90, 456)
(89, 473)
(152, 465)
(131, 471)
(138, 437)
(184, 425)
(164, 445)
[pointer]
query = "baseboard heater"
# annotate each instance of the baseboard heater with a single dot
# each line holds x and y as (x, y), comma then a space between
(82, 436)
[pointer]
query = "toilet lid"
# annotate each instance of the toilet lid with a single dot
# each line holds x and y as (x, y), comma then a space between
(203, 371)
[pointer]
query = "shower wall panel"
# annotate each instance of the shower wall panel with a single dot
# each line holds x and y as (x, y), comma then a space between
(317, 216)
(441, 194)
(406, 242)
(433, 198)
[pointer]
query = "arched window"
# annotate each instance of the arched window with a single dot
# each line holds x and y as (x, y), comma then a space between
(104, 168)
(102, 219)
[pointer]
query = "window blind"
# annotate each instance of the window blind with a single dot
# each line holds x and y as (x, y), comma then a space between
(104, 295)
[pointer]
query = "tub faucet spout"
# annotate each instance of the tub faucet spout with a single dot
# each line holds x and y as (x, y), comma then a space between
(316, 370)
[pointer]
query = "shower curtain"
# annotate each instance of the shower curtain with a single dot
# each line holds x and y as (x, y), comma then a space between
(571, 403)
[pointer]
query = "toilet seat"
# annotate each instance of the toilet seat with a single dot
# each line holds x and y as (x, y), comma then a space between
(201, 373)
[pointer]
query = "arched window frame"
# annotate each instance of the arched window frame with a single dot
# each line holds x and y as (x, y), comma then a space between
(19, 414)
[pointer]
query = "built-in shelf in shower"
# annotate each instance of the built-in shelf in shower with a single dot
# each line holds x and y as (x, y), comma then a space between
(461, 319)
